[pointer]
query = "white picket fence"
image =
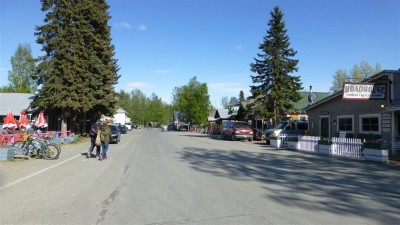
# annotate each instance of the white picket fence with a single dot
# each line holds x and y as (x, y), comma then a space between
(347, 147)
(341, 147)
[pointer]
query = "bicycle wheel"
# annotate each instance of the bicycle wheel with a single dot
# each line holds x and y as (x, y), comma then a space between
(58, 148)
(51, 151)
(20, 151)
(19, 144)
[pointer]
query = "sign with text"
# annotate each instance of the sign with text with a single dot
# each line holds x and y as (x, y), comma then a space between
(364, 91)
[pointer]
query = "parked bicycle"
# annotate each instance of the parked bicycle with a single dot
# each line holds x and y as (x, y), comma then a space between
(35, 146)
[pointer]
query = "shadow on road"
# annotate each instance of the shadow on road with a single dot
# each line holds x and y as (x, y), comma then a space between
(309, 181)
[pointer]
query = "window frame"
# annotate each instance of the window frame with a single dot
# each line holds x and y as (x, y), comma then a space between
(345, 117)
(362, 116)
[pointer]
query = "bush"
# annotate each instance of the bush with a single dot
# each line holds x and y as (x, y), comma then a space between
(325, 141)
(376, 145)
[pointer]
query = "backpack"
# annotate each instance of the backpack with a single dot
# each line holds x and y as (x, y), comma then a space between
(93, 130)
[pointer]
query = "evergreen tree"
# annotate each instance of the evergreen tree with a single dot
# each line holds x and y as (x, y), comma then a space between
(23, 69)
(233, 101)
(78, 71)
(276, 89)
(224, 102)
(241, 96)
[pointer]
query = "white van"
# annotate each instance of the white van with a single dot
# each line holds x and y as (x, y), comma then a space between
(128, 126)
(286, 127)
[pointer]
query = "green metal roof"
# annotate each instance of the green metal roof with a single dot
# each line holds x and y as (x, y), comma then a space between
(303, 102)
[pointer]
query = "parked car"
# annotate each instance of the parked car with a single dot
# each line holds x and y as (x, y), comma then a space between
(236, 130)
(116, 133)
(286, 127)
(184, 127)
(128, 126)
(171, 127)
(123, 129)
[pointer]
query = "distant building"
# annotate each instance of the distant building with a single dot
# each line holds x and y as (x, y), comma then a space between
(120, 117)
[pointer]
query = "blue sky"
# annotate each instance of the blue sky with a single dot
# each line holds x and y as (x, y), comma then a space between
(163, 44)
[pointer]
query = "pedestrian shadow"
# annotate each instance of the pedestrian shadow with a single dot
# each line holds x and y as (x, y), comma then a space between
(334, 185)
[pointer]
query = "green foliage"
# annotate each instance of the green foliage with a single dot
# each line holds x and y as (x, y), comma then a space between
(23, 70)
(338, 79)
(142, 110)
(325, 141)
(357, 74)
(274, 89)
(78, 71)
(376, 145)
(192, 100)
(225, 103)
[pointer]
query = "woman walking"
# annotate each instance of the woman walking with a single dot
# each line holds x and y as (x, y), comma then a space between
(105, 137)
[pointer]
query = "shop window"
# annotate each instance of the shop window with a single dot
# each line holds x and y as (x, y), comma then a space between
(369, 123)
(345, 124)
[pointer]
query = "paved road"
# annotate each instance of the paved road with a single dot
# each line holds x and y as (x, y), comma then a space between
(154, 177)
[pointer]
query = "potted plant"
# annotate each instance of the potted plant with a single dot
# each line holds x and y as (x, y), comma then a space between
(292, 142)
(324, 146)
(275, 141)
(6, 153)
(376, 151)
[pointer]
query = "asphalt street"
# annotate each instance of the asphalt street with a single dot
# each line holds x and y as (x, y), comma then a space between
(154, 177)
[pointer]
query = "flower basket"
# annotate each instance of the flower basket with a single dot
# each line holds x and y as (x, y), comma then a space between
(324, 146)
(292, 142)
(376, 151)
(6, 154)
(275, 141)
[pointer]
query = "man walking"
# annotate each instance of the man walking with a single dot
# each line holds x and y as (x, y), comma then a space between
(94, 128)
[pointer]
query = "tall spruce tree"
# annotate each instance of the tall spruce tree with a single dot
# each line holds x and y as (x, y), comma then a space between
(78, 71)
(275, 89)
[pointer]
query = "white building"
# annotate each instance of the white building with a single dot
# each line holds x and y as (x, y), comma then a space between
(120, 117)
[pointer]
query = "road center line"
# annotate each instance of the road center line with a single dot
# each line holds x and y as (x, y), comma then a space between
(36, 173)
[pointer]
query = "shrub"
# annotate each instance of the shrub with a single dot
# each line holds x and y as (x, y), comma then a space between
(325, 141)
(376, 145)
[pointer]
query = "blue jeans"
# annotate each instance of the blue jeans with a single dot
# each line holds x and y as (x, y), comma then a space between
(104, 148)
(92, 145)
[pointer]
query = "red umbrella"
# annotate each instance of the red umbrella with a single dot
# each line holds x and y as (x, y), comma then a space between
(23, 121)
(9, 121)
(41, 121)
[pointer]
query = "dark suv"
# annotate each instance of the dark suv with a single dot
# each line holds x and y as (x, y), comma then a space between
(116, 133)
(171, 127)
(123, 129)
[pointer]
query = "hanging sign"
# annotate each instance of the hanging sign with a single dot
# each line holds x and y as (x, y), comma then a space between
(364, 91)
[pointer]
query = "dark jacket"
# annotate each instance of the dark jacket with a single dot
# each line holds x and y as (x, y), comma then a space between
(93, 130)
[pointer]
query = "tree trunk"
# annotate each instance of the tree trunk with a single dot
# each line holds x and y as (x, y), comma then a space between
(64, 126)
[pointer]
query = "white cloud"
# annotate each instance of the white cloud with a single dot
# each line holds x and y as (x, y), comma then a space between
(123, 25)
(134, 85)
(238, 47)
(162, 71)
(142, 27)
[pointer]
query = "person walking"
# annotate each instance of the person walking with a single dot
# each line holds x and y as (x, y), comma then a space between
(105, 137)
(94, 128)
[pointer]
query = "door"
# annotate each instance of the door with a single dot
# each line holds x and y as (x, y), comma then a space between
(324, 127)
